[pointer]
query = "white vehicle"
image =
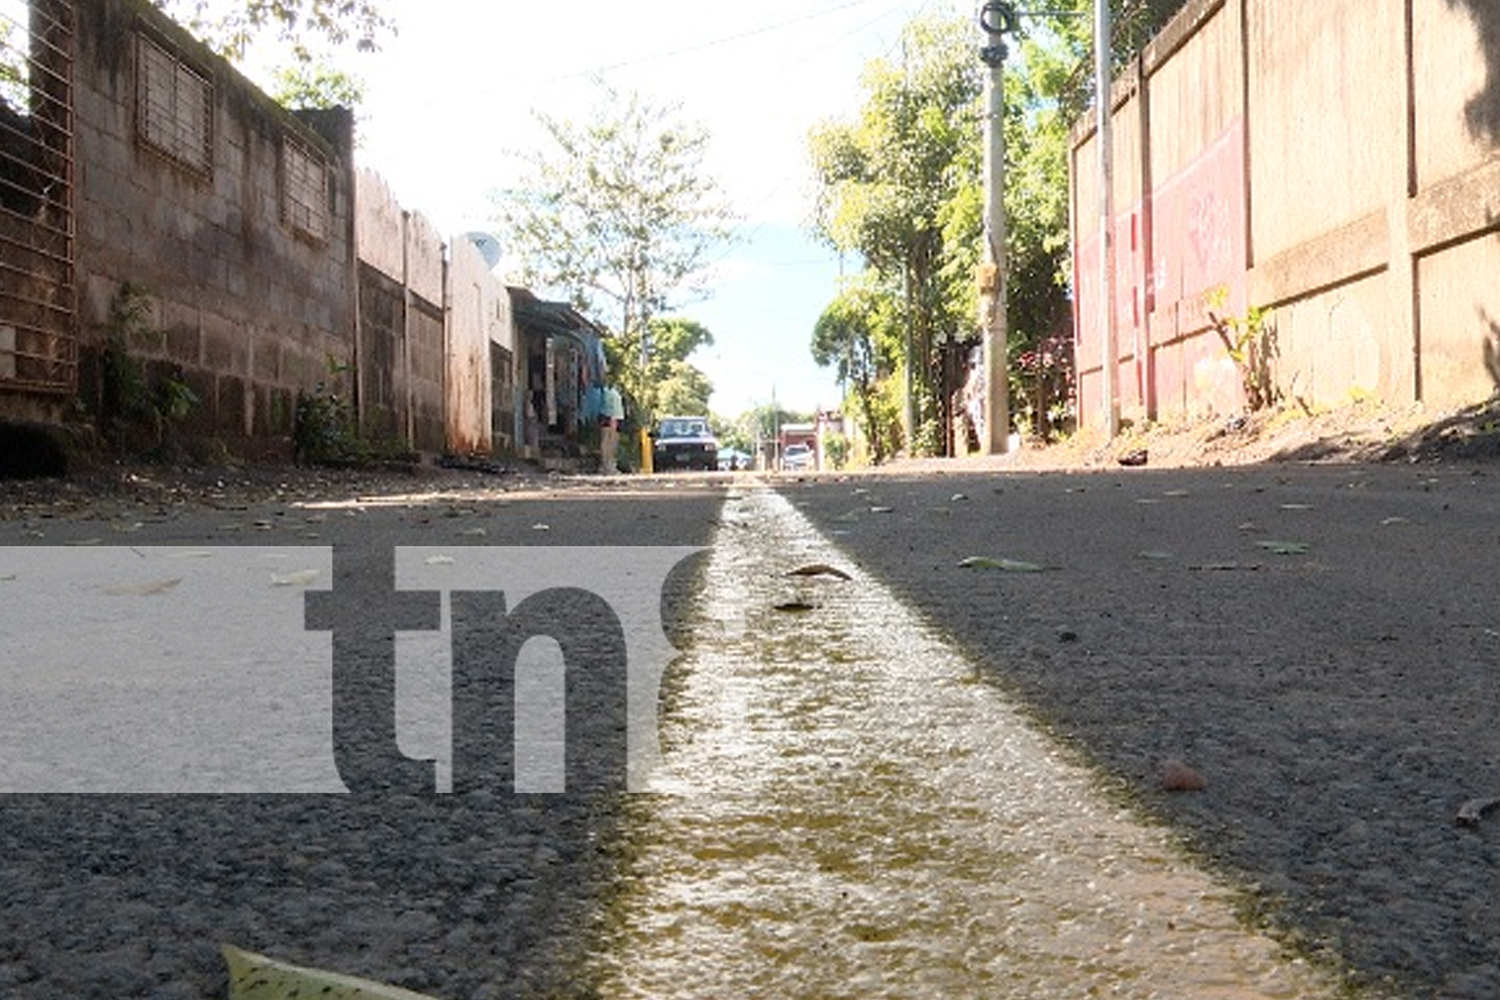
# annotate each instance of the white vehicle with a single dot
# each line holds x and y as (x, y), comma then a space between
(797, 457)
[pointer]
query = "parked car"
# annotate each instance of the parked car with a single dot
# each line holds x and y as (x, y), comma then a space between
(797, 457)
(732, 460)
(684, 443)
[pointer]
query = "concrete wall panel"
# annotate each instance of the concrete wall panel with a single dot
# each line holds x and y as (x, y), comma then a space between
(1195, 96)
(424, 262)
(379, 229)
(471, 291)
(231, 279)
(1451, 75)
(1460, 321)
(1350, 186)
(1331, 350)
(1326, 90)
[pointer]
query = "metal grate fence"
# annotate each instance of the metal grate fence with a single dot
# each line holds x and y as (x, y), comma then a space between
(38, 330)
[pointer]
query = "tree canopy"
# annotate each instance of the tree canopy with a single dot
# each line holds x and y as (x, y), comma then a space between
(897, 185)
(620, 215)
(229, 26)
(901, 184)
(315, 85)
(661, 378)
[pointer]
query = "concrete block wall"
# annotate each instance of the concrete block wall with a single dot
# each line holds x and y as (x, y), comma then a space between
(1337, 163)
(251, 308)
(402, 256)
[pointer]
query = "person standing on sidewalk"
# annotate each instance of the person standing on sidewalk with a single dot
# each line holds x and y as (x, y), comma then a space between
(611, 415)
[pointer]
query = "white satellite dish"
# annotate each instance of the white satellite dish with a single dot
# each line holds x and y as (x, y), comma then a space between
(488, 247)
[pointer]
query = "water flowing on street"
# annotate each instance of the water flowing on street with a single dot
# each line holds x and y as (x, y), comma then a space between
(847, 809)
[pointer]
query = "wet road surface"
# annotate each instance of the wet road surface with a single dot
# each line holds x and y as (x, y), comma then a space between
(849, 810)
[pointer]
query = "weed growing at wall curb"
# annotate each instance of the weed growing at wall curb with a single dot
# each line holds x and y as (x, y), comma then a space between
(1251, 342)
(325, 429)
(135, 403)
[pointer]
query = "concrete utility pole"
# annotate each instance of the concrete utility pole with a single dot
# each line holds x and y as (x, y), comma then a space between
(995, 18)
(1104, 139)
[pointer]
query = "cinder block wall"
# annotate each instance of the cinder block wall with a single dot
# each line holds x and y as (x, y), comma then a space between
(236, 221)
(402, 273)
(1336, 162)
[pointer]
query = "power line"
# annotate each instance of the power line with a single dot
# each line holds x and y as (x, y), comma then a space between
(715, 42)
(803, 59)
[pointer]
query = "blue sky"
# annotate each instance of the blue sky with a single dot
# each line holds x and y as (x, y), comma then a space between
(758, 76)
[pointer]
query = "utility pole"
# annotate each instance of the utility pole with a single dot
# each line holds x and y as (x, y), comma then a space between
(1104, 140)
(996, 18)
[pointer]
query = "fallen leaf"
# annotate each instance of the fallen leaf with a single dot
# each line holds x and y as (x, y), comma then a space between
(301, 578)
(1006, 565)
(256, 977)
(1472, 811)
(1175, 776)
(820, 569)
(144, 589)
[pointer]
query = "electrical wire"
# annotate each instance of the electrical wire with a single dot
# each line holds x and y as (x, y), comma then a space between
(713, 42)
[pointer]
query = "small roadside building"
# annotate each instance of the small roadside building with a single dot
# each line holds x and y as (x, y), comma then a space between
(559, 370)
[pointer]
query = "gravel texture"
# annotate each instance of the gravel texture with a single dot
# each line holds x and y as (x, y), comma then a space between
(472, 895)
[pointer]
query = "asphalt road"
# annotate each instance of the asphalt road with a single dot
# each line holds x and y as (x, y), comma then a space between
(483, 893)
(1320, 643)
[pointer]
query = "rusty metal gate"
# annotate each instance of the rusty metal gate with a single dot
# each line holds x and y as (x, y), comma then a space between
(38, 331)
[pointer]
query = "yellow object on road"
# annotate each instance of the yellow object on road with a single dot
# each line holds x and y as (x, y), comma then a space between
(256, 977)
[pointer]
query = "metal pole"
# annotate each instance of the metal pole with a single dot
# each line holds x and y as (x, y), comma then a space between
(1104, 138)
(995, 19)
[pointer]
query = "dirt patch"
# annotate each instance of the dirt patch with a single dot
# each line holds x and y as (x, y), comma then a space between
(1360, 432)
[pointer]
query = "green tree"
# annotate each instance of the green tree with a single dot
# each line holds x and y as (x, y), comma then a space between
(662, 379)
(902, 186)
(858, 335)
(620, 215)
(761, 424)
(316, 85)
(229, 26)
(897, 186)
